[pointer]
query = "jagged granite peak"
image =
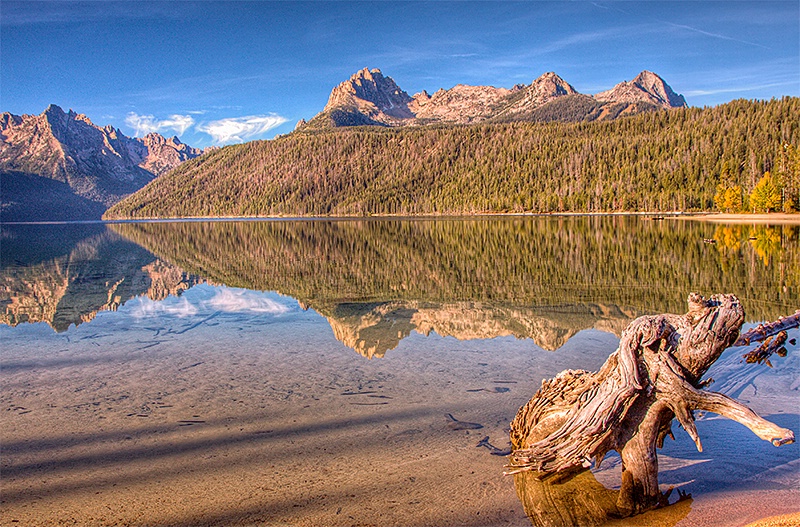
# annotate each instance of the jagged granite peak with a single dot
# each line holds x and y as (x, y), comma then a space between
(370, 93)
(163, 154)
(547, 86)
(647, 87)
(98, 165)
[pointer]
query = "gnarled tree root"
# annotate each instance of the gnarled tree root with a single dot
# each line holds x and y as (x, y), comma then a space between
(629, 404)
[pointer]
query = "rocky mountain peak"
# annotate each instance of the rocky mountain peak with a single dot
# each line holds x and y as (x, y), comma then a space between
(8, 120)
(655, 85)
(459, 104)
(156, 139)
(526, 99)
(552, 79)
(370, 93)
(82, 117)
(647, 87)
(53, 110)
(548, 86)
(98, 165)
(55, 116)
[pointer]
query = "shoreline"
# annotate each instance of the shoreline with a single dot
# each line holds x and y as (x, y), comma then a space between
(777, 217)
(713, 217)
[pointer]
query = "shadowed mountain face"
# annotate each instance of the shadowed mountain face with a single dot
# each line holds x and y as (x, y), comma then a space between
(370, 98)
(377, 281)
(59, 166)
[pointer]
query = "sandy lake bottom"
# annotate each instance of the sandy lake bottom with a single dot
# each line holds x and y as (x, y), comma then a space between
(154, 415)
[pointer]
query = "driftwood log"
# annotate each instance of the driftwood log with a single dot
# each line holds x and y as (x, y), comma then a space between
(629, 404)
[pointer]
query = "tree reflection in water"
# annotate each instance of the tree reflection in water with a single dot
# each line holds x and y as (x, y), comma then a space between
(377, 280)
(579, 499)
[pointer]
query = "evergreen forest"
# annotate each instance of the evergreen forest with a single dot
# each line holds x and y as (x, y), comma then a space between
(687, 159)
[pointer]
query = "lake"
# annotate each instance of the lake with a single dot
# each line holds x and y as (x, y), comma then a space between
(358, 372)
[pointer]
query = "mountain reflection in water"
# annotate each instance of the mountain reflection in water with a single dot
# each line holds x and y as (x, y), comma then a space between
(376, 281)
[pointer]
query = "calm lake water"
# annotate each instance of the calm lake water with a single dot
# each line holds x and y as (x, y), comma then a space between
(356, 372)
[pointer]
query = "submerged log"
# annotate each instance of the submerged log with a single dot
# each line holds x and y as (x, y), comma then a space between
(629, 404)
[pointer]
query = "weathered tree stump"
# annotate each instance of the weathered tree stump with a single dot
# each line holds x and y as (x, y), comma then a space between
(629, 404)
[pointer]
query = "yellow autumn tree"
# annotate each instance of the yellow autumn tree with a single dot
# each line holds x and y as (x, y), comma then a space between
(728, 199)
(766, 196)
(729, 196)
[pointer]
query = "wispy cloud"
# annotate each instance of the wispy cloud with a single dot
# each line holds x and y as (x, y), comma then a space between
(746, 80)
(238, 129)
(589, 37)
(714, 35)
(144, 124)
(32, 13)
(739, 88)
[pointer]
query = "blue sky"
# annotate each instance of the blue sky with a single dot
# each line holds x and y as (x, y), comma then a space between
(223, 72)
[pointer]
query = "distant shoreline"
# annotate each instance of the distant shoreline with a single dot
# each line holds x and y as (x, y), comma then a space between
(781, 218)
(712, 217)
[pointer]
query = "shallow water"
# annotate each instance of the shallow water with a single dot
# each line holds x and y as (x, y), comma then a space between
(350, 372)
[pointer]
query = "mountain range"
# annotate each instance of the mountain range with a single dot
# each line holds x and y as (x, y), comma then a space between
(370, 98)
(60, 166)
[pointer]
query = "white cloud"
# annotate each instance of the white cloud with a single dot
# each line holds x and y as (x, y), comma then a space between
(238, 300)
(237, 129)
(144, 124)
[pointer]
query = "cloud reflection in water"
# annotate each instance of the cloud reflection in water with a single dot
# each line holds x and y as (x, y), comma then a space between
(222, 299)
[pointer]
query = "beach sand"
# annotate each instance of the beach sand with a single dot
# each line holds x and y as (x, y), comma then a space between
(776, 218)
(242, 423)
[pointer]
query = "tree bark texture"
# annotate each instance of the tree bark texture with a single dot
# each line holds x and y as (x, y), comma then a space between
(629, 404)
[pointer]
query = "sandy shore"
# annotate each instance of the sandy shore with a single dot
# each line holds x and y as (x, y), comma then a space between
(784, 520)
(775, 218)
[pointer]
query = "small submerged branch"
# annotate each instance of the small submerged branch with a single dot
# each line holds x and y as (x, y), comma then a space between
(773, 337)
(764, 331)
(771, 345)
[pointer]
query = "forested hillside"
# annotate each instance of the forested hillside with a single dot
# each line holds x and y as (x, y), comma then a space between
(658, 161)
